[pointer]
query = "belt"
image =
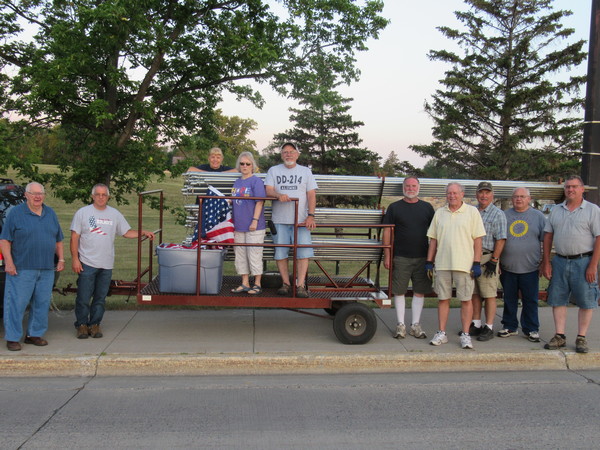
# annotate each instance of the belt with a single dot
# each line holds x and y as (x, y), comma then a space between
(486, 252)
(581, 255)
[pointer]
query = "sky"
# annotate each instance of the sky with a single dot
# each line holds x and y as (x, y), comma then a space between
(396, 78)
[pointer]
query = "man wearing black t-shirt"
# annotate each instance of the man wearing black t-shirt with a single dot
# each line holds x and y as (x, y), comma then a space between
(411, 218)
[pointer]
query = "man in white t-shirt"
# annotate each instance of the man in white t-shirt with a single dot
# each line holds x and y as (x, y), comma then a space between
(93, 232)
(285, 182)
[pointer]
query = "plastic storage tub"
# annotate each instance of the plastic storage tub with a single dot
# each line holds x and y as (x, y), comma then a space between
(177, 270)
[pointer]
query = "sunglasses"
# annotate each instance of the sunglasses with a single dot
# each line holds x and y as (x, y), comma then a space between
(245, 164)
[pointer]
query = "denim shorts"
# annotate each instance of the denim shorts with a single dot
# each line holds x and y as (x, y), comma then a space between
(568, 278)
(285, 235)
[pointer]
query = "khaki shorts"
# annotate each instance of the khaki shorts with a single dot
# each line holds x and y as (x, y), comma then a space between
(461, 280)
(407, 269)
(486, 287)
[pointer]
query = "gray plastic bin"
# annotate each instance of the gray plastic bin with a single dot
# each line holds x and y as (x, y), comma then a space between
(177, 270)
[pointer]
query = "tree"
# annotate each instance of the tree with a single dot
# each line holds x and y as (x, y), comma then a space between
(505, 111)
(393, 167)
(230, 134)
(324, 129)
(120, 77)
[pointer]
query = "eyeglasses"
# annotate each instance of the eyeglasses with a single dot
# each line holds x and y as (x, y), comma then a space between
(245, 164)
(520, 196)
(100, 195)
(37, 194)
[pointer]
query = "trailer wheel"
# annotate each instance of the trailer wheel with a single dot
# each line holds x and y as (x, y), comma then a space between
(354, 324)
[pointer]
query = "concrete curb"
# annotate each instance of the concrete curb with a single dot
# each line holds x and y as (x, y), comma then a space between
(241, 364)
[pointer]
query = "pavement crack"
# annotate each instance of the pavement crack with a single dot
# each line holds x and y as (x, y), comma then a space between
(55, 412)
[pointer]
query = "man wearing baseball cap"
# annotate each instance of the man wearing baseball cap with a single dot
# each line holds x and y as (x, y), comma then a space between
(486, 286)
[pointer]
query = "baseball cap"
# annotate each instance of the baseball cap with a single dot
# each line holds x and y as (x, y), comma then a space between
(484, 185)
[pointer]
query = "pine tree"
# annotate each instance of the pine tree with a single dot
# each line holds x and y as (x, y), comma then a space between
(509, 108)
(324, 130)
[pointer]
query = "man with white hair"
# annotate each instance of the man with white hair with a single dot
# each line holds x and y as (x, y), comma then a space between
(285, 182)
(411, 218)
(455, 252)
(30, 240)
(93, 232)
(520, 264)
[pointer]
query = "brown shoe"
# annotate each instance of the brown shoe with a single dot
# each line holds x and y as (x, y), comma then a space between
(38, 341)
(95, 331)
(285, 289)
(301, 292)
(82, 332)
(13, 346)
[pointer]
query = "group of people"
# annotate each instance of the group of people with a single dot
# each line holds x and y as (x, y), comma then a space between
(457, 251)
(32, 245)
(32, 242)
(469, 249)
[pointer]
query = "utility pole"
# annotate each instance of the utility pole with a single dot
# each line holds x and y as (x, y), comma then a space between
(590, 169)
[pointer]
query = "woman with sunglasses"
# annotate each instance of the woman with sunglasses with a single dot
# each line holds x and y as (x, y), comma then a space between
(249, 222)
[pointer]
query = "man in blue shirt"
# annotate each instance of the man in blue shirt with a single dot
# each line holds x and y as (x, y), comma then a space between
(30, 238)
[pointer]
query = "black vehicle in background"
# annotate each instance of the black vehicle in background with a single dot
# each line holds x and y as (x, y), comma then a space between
(11, 195)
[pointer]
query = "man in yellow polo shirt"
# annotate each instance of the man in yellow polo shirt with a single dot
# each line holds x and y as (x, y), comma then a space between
(455, 246)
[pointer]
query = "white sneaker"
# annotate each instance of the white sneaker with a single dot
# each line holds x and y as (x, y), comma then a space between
(417, 331)
(439, 338)
(465, 341)
(400, 331)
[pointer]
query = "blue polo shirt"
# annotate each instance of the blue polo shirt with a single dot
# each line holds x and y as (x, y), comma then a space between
(33, 237)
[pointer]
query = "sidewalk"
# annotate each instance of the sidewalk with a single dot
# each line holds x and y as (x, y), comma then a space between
(267, 341)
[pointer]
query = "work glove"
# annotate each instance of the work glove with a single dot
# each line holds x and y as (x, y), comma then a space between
(429, 269)
(475, 270)
(490, 268)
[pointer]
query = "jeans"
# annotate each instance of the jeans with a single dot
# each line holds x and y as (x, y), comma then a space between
(92, 283)
(27, 287)
(529, 285)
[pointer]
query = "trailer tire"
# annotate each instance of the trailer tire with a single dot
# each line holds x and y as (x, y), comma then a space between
(354, 324)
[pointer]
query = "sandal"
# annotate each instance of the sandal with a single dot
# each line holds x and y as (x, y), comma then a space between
(256, 289)
(241, 288)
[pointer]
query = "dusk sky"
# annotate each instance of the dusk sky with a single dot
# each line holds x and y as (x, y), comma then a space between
(397, 78)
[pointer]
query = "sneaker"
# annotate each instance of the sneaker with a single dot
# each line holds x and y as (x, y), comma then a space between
(534, 336)
(465, 341)
(581, 345)
(416, 331)
(486, 334)
(284, 290)
(301, 292)
(506, 333)
(475, 331)
(95, 331)
(439, 338)
(400, 331)
(82, 332)
(555, 343)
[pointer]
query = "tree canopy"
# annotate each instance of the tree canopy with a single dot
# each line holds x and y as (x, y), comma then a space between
(120, 77)
(509, 107)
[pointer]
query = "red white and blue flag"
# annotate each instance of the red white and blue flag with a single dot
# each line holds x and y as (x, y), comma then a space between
(94, 228)
(217, 223)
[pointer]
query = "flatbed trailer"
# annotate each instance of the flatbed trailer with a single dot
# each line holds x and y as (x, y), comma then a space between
(347, 300)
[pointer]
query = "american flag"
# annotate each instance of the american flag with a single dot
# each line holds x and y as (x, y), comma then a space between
(217, 224)
(94, 228)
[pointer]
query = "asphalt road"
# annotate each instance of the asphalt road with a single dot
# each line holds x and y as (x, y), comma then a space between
(502, 410)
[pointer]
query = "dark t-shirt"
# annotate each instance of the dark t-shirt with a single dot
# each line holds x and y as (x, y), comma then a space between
(207, 168)
(410, 233)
